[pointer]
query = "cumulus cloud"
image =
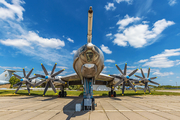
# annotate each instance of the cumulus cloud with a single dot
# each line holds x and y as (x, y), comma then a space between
(162, 61)
(105, 49)
(110, 61)
(139, 35)
(14, 68)
(110, 6)
(126, 21)
(74, 51)
(172, 2)
(70, 40)
(109, 34)
(128, 1)
(142, 61)
(12, 10)
(158, 73)
(32, 38)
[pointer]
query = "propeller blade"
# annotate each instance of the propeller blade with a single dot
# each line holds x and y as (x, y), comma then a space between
(47, 85)
(57, 73)
(154, 82)
(27, 85)
(57, 80)
(118, 83)
(52, 86)
(149, 89)
(153, 78)
(17, 76)
(134, 80)
(53, 68)
(142, 73)
(133, 72)
(17, 84)
(39, 83)
(125, 69)
(38, 75)
(146, 86)
(18, 87)
(123, 87)
(24, 72)
(27, 82)
(138, 76)
(33, 78)
(148, 73)
(44, 69)
(119, 69)
(29, 73)
(116, 76)
(132, 85)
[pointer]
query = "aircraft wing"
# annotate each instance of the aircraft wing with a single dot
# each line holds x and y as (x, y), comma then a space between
(71, 77)
(104, 77)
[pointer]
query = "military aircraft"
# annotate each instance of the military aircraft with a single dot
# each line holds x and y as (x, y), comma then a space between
(6, 75)
(88, 64)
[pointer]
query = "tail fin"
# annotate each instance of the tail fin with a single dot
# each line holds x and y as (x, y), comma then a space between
(90, 19)
(6, 75)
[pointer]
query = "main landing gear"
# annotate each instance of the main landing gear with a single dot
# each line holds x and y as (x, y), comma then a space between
(62, 93)
(112, 93)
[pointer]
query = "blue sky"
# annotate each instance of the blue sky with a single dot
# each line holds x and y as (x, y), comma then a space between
(140, 33)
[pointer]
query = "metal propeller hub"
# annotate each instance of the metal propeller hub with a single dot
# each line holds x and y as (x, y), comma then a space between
(127, 77)
(149, 79)
(21, 80)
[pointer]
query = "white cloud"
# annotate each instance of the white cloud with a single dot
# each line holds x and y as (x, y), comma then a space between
(128, 1)
(109, 60)
(177, 77)
(110, 6)
(70, 40)
(161, 60)
(142, 61)
(172, 2)
(109, 34)
(170, 80)
(139, 35)
(126, 21)
(13, 68)
(15, 42)
(131, 66)
(10, 11)
(74, 51)
(62, 67)
(105, 49)
(33, 39)
(158, 73)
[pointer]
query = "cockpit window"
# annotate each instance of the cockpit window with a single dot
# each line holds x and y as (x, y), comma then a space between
(89, 55)
(83, 48)
(96, 48)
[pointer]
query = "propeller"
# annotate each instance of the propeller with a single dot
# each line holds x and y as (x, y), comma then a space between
(146, 80)
(123, 79)
(24, 80)
(49, 79)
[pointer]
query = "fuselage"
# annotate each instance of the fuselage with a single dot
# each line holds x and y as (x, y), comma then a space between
(88, 61)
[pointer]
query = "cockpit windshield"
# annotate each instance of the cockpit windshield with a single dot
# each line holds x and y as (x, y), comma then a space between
(89, 55)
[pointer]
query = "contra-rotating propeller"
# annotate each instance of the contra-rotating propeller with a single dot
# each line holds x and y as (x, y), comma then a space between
(24, 80)
(124, 78)
(49, 79)
(146, 80)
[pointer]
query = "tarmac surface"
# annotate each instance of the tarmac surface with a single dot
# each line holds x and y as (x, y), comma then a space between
(119, 108)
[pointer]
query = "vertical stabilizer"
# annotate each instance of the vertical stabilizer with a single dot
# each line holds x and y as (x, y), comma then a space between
(90, 19)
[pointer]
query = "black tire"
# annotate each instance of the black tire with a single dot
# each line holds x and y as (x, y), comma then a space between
(109, 94)
(93, 106)
(60, 94)
(65, 93)
(114, 94)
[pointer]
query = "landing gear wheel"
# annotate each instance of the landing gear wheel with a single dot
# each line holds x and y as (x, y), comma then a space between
(114, 94)
(109, 94)
(62, 94)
